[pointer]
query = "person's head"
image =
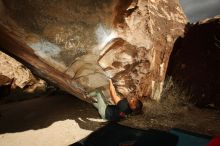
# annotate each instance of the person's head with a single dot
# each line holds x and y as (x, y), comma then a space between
(135, 105)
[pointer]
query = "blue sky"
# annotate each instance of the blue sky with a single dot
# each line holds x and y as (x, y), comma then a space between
(200, 9)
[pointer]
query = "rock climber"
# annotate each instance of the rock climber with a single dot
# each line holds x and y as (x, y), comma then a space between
(122, 108)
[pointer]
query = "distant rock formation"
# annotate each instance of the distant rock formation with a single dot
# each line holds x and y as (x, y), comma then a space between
(15, 71)
(194, 63)
(13, 74)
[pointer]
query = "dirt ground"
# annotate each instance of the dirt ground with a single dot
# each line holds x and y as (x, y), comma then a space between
(60, 119)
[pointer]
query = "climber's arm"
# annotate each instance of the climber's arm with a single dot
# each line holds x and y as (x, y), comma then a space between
(113, 93)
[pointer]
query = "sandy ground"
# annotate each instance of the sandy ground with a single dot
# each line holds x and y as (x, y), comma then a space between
(56, 120)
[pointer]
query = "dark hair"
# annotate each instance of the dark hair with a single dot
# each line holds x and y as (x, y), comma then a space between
(138, 108)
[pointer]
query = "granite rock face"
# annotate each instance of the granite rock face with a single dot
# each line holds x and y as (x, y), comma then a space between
(77, 45)
(149, 30)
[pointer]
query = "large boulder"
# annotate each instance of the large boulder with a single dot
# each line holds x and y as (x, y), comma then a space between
(77, 45)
